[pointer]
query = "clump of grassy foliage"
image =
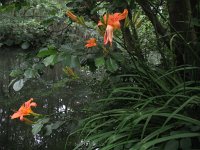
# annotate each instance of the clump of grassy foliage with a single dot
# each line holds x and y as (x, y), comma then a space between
(155, 111)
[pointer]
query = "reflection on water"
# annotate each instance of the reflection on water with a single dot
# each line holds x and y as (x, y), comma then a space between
(62, 103)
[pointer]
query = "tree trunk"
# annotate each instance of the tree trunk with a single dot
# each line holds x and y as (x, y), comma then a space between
(195, 6)
(180, 15)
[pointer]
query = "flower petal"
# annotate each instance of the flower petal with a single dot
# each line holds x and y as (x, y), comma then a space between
(15, 115)
(123, 15)
(91, 43)
(108, 36)
(33, 104)
(100, 23)
(21, 117)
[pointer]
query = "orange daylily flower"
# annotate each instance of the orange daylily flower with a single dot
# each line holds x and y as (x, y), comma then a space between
(91, 43)
(71, 16)
(24, 110)
(112, 23)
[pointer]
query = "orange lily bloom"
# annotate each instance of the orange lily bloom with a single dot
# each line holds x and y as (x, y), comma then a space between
(24, 110)
(91, 43)
(71, 16)
(112, 23)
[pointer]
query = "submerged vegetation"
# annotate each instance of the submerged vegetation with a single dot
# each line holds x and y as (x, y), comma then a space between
(146, 55)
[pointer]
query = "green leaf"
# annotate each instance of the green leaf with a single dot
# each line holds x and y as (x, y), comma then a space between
(48, 129)
(118, 57)
(172, 40)
(111, 65)
(171, 145)
(127, 22)
(99, 62)
(30, 73)
(43, 120)
(46, 52)
(53, 126)
(12, 81)
(25, 45)
(50, 60)
(38, 66)
(57, 124)
(179, 109)
(66, 59)
(16, 73)
(18, 84)
(163, 139)
(36, 128)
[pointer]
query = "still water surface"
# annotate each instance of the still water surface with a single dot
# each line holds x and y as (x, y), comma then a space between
(62, 103)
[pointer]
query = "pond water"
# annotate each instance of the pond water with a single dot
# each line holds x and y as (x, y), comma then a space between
(61, 103)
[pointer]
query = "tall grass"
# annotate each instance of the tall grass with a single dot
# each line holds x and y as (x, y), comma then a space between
(156, 111)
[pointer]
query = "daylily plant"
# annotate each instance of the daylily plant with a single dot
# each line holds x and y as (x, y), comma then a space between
(25, 110)
(112, 23)
(91, 43)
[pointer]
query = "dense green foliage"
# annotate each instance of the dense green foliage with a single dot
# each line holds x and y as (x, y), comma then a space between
(30, 24)
(150, 76)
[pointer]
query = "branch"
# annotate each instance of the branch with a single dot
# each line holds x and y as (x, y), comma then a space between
(154, 20)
